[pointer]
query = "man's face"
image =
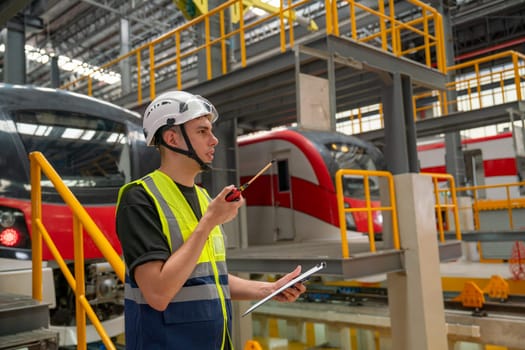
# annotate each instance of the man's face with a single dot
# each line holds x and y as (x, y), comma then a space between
(203, 140)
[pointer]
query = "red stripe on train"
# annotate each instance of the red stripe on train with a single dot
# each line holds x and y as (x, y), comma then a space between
(493, 167)
(307, 197)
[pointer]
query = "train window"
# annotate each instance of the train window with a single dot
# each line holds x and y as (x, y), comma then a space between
(354, 186)
(350, 156)
(283, 175)
(86, 151)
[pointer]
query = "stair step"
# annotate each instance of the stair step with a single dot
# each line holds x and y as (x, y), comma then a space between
(20, 313)
(32, 340)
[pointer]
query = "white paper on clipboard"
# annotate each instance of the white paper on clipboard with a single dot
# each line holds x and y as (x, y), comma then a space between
(301, 278)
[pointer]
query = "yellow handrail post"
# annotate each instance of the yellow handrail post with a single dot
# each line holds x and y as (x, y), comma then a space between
(290, 24)
(139, 81)
(78, 243)
(90, 85)
(328, 9)
(517, 79)
(382, 26)
(428, 59)
(370, 222)
(353, 20)
(209, 71)
(282, 34)
(151, 72)
(381, 117)
(36, 236)
(441, 54)
(393, 29)
(177, 60)
(393, 207)
(224, 53)
(360, 119)
(478, 85)
(509, 207)
(335, 18)
(342, 219)
(241, 34)
(437, 210)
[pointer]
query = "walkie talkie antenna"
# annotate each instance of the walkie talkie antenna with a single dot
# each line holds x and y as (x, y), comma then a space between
(235, 194)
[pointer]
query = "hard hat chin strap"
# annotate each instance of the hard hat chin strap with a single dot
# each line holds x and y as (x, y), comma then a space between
(190, 152)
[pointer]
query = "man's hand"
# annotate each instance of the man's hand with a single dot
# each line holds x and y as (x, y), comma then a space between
(289, 294)
(220, 210)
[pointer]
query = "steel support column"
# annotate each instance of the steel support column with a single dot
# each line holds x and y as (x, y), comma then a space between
(454, 159)
(400, 133)
(410, 126)
(125, 47)
(332, 92)
(55, 72)
(15, 57)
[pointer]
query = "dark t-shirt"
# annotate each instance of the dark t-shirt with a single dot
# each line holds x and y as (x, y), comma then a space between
(139, 227)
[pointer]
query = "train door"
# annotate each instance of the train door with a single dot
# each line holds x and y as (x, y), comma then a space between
(474, 170)
(284, 225)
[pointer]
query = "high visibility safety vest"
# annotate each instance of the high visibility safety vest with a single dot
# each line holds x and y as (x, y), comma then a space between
(199, 316)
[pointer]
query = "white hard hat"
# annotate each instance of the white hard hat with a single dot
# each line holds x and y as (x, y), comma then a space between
(175, 108)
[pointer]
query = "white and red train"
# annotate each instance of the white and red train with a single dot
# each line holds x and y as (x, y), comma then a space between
(296, 199)
(490, 160)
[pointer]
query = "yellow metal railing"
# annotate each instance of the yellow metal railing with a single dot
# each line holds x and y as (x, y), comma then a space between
(170, 53)
(81, 220)
(427, 28)
(482, 82)
(368, 208)
(445, 200)
(509, 203)
(491, 80)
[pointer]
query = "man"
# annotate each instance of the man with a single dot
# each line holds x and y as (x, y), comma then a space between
(178, 290)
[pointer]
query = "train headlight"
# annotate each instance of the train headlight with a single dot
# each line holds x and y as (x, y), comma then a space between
(7, 218)
(10, 237)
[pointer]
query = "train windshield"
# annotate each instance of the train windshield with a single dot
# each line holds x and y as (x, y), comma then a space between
(86, 151)
(351, 156)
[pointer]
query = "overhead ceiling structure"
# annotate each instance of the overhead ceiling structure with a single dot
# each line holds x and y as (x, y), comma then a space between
(89, 31)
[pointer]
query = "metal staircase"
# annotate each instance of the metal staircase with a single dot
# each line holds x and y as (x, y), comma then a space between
(24, 324)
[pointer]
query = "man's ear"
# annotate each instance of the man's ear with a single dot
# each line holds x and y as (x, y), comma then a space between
(172, 137)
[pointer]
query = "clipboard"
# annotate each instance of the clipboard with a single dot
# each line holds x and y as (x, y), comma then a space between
(301, 278)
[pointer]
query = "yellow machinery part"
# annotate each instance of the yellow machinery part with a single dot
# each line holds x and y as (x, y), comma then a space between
(252, 345)
(471, 296)
(497, 288)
